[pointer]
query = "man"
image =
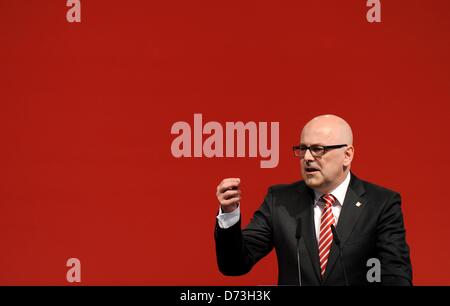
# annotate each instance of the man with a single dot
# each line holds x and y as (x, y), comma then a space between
(367, 218)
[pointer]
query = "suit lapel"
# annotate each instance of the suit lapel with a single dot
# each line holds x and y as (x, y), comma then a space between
(347, 219)
(309, 233)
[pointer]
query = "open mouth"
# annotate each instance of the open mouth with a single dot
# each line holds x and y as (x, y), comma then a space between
(311, 170)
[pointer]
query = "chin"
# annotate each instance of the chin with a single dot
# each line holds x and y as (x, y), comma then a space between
(312, 182)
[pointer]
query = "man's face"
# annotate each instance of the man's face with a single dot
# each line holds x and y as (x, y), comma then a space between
(326, 172)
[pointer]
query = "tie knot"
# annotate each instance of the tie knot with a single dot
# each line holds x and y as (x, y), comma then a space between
(329, 199)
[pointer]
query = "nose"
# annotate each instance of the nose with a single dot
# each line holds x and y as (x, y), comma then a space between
(308, 156)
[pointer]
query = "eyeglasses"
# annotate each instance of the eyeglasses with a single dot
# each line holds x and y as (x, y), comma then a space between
(316, 150)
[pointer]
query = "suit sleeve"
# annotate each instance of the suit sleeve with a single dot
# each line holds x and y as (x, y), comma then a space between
(392, 249)
(237, 250)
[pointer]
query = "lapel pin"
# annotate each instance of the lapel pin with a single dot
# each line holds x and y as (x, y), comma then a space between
(358, 204)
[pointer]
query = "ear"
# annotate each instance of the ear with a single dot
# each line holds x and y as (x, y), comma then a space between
(348, 155)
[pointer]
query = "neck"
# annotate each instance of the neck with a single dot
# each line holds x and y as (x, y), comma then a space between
(335, 184)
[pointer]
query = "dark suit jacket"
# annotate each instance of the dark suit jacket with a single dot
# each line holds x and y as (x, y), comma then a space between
(375, 229)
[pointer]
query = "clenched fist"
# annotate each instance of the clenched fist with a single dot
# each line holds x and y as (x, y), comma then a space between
(229, 194)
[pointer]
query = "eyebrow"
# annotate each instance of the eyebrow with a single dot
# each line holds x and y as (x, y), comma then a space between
(314, 144)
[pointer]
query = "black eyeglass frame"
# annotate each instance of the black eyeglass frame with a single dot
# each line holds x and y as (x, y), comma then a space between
(325, 149)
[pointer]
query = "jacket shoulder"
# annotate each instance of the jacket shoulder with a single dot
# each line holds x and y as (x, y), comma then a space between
(292, 187)
(372, 188)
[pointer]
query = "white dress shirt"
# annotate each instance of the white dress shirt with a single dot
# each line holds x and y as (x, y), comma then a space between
(227, 220)
(339, 193)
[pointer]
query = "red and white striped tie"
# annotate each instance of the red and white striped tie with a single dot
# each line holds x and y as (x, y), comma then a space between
(326, 236)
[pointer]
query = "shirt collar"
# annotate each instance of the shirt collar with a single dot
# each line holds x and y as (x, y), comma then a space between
(339, 193)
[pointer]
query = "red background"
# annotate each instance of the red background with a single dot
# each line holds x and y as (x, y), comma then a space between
(86, 109)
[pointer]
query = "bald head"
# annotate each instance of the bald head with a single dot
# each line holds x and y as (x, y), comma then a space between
(330, 128)
(323, 170)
